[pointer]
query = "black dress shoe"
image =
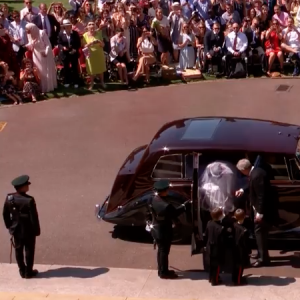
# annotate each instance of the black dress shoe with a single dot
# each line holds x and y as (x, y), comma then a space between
(31, 274)
(171, 272)
(22, 273)
(168, 276)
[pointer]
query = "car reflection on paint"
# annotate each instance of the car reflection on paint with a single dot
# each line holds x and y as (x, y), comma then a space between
(271, 145)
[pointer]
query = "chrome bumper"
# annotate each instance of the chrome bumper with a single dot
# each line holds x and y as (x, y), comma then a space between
(100, 209)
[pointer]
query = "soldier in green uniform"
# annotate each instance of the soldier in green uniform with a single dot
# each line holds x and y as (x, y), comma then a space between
(163, 215)
(21, 219)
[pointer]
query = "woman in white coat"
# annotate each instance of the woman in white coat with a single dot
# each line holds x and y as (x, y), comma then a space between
(42, 56)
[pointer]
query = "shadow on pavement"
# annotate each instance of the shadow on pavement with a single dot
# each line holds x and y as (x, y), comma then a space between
(255, 281)
(72, 272)
(132, 234)
(138, 234)
(269, 280)
(292, 260)
(193, 275)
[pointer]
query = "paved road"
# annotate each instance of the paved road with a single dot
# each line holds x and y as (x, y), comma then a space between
(72, 149)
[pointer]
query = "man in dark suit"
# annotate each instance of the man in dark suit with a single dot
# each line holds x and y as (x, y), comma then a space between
(253, 34)
(213, 44)
(21, 219)
(48, 23)
(260, 194)
(69, 44)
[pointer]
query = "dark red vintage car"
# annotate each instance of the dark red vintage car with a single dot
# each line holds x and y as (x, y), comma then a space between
(181, 145)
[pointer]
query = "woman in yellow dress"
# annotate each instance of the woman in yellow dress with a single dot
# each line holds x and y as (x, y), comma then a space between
(93, 48)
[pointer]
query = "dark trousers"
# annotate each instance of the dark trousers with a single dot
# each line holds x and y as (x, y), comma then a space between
(261, 234)
(237, 274)
(27, 245)
(216, 59)
(232, 60)
(163, 250)
(261, 53)
(214, 272)
(294, 59)
(20, 55)
(71, 72)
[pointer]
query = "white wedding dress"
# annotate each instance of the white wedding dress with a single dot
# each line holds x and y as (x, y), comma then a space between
(217, 187)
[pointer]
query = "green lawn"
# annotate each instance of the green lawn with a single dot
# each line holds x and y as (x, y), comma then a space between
(18, 4)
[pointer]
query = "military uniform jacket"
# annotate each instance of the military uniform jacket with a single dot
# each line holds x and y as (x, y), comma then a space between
(215, 235)
(164, 215)
(20, 215)
(242, 248)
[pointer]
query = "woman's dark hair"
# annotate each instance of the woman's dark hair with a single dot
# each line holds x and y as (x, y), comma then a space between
(104, 11)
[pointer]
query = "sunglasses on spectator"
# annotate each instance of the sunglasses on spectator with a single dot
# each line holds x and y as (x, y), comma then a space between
(56, 7)
(235, 27)
(28, 2)
(217, 28)
(16, 16)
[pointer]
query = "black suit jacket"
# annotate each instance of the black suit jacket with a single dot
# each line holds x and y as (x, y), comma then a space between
(252, 42)
(75, 43)
(260, 191)
(54, 24)
(23, 221)
(211, 40)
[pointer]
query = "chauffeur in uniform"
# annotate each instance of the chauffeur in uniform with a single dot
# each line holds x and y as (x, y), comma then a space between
(164, 215)
(21, 219)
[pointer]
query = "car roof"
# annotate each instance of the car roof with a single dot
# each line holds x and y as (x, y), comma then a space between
(226, 133)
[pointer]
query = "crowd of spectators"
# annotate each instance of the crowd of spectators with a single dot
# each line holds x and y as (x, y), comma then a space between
(219, 36)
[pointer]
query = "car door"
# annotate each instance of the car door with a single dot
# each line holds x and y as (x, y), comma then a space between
(285, 200)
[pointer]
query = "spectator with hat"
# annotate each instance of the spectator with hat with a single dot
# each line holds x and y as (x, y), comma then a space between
(95, 59)
(21, 219)
(69, 44)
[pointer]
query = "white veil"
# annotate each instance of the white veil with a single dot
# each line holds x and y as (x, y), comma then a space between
(217, 186)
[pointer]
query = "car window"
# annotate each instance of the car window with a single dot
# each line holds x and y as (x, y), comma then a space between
(168, 166)
(209, 157)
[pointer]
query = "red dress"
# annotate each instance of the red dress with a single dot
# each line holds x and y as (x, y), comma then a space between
(272, 44)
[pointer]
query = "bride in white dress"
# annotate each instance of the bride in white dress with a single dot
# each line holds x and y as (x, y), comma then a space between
(42, 56)
(217, 187)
